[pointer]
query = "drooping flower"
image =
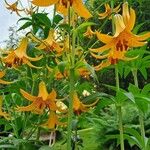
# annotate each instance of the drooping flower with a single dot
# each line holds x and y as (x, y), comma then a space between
(89, 33)
(18, 56)
(116, 46)
(31, 10)
(3, 114)
(63, 5)
(79, 107)
(108, 11)
(53, 121)
(2, 74)
(48, 44)
(13, 7)
(40, 102)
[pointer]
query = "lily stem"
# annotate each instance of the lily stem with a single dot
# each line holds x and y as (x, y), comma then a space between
(70, 113)
(141, 117)
(119, 111)
(72, 79)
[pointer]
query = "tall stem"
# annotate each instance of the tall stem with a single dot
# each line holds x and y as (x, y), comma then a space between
(72, 81)
(141, 117)
(119, 111)
(119, 107)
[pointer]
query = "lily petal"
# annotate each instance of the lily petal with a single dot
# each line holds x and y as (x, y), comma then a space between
(27, 95)
(104, 38)
(80, 9)
(43, 91)
(103, 48)
(44, 3)
(131, 21)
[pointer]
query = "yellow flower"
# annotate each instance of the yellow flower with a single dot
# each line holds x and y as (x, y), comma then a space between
(53, 121)
(31, 10)
(3, 114)
(63, 5)
(116, 46)
(2, 74)
(79, 107)
(108, 11)
(13, 7)
(48, 44)
(18, 57)
(40, 102)
(89, 33)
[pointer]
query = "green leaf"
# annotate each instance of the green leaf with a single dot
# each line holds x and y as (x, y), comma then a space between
(57, 19)
(26, 25)
(42, 18)
(83, 25)
(130, 96)
(143, 72)
(24, 18)
(146, 89)
(134, 89)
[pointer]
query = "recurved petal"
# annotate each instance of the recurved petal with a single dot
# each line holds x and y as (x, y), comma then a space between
(135, 43)
(142, 37)
(131, 21)
(43, 90)
(129, 59)
(90, 105)
(125, 13)
(80, 9)
(52, 95)
(32, 66)
(30, 107)
(27, 95)
(104, 37)
(5, 115)
(102, 65)
(103, 48)
(2, 73)
(99, 56)
(21, 50)
(34, 59)
(44, 2)
(4, 82)
(116, 9)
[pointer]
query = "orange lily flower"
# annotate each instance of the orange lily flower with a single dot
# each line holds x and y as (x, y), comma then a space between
(89, 33)
(48, 44)
(31, 10)
(40, 102)
(108, 11)
(2, 74)
(63, 5)
(3, 114)
(79, 107)
(13, 7)
(53, 121)
(123, 39)
(18, 57)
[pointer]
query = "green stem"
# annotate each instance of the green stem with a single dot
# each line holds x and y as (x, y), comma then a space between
(119, 108)
(72, 81)
(119, 111)
(141, 117)
(70, 113)
(120, 127)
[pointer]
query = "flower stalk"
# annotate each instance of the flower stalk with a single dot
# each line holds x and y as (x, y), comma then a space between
(119, 108)
(141, 117)
(72, 80)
